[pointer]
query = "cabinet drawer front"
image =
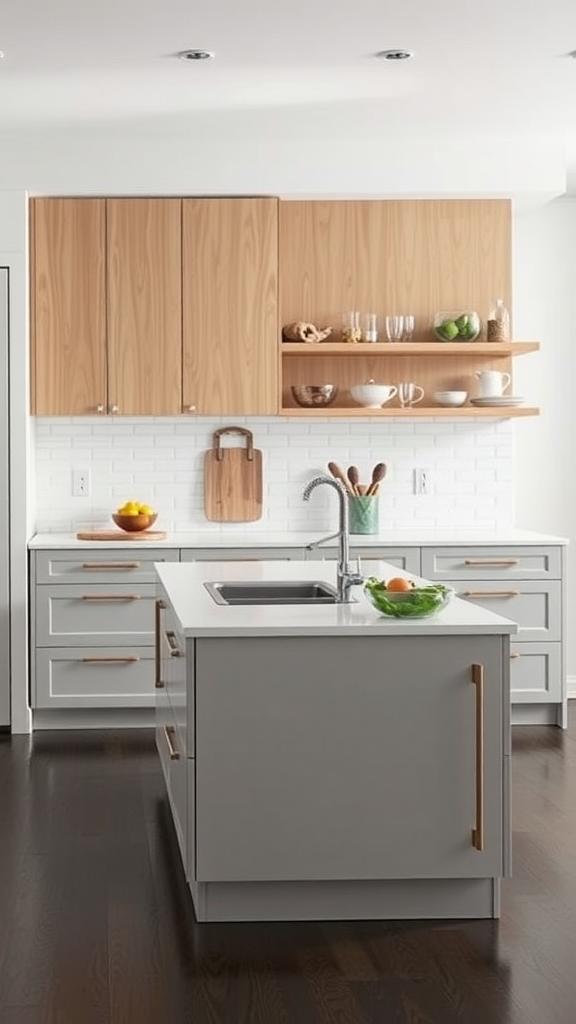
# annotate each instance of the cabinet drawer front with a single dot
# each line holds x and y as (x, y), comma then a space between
(535, 673)
(241, 554)
(535, 607)
(94, 677)
(91, 615)
(491, 563)
(175, 770)
(103, 566)
(407, 559)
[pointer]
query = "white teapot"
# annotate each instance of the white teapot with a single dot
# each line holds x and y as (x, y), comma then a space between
(492, 383)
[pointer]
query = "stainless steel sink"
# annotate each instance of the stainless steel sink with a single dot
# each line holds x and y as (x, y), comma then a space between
(282, 592)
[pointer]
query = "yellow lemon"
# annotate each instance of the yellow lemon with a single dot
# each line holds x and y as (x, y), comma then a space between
(146, 510)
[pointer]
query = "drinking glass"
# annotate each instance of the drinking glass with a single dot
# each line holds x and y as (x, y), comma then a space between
(351, 327)
(408, 332)
(394, 328)
(370, 327)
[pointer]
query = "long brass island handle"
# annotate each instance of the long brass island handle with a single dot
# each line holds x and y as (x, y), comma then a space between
(478, 830)
(170, 732)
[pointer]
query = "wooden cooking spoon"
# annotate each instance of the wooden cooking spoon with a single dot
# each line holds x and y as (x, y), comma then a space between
(354, 478)
(378, 474)
(339, 475)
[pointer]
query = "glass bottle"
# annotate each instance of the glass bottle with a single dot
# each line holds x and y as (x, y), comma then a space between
(498, 323)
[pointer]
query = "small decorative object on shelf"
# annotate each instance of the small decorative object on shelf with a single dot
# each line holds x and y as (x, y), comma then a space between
(351, 328)
(498, 323)
(457, 326)
(302, 331)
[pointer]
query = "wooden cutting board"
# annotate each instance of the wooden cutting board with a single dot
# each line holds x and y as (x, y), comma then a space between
(121, 535)
(233, 480)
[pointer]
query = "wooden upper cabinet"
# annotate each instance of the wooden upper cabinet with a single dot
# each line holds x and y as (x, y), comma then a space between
(68, 314)
(230, 306)
(144, 254)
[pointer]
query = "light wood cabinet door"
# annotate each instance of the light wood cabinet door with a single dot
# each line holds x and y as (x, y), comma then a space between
(230, 314)
(68, 309)
(144, 306)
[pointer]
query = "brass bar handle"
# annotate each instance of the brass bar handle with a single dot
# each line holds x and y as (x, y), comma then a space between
(127, 660)
(515, 654)
(491, 561)
(110, 565)
(170, 638)
(478, 830)
(110, 597)
(158, 608)
(169, 732)
(490, 593)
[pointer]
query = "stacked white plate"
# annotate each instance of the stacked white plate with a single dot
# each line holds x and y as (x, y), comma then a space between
(498, 400)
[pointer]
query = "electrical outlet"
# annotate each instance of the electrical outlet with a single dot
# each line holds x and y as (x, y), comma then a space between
(422, 483)
(80, 483)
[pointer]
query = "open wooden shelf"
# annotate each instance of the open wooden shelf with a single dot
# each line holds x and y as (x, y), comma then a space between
(471, 349)
(417, 412)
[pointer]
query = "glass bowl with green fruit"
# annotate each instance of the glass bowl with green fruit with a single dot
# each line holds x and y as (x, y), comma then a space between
(457, 325)
(400, 598)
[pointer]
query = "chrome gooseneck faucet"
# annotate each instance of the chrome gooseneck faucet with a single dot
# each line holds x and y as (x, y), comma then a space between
(346, 577)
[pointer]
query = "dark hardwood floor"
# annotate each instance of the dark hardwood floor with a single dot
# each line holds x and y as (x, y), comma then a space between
(96, 926)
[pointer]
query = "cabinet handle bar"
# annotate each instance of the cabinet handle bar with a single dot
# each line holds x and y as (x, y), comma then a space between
(159, 606)
(170, 638)
(478, 830)
(491, 561)
(169, 734)
(490, 593)
(128, 659)
(110, 565)
(110, 597)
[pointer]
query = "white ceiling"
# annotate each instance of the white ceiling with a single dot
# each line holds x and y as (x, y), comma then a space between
(497, 69)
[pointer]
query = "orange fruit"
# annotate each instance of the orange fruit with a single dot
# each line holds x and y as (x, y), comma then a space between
(398, 583)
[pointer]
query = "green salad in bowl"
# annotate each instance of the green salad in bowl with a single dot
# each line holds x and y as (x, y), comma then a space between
(401, 599)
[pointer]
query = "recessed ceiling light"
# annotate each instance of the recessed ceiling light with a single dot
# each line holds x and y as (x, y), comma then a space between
(395, 54)
(195, 55)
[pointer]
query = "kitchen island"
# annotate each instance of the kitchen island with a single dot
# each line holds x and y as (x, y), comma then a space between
(325, 762)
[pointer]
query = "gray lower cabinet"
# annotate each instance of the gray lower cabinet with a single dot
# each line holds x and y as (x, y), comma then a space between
(93, 628)
(525, 584)
(347, 758)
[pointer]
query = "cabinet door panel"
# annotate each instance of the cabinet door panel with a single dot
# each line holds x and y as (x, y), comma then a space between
(535, 673)
(68, 306)
(348, 757)
(145, 300)
(230, 315)
(94, 677)
(119, 614)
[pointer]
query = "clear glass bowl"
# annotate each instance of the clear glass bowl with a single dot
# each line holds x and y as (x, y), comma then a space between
(418, 603)
(457, 325)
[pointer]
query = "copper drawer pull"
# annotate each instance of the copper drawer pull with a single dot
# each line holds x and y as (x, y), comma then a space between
(159, 606)
(110, 597)
(111, 661)
(111, 565)
(170, 638)
(169, 732)
(491, 561)
(478, 830)
(490, 593)
(515, 654)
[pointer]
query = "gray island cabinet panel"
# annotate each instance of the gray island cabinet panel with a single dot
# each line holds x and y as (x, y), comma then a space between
(335, 758)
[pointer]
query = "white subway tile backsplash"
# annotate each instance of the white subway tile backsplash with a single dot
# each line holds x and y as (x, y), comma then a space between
(162, 461)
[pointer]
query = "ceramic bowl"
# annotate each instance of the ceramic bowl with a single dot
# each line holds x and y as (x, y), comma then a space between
(310, 396)
(457, 325)
(450, 397)
(134, 524)
(373, 396)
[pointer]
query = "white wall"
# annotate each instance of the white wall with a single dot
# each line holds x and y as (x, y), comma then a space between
(545, 309)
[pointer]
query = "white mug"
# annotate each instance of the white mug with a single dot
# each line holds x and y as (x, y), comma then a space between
(409, 394)
(492, 383)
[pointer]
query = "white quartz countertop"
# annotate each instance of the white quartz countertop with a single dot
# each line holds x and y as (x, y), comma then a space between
(200, 616)
(238, 538)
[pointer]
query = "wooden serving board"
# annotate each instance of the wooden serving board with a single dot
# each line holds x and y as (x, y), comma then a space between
(121, 535)
(233, 480)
